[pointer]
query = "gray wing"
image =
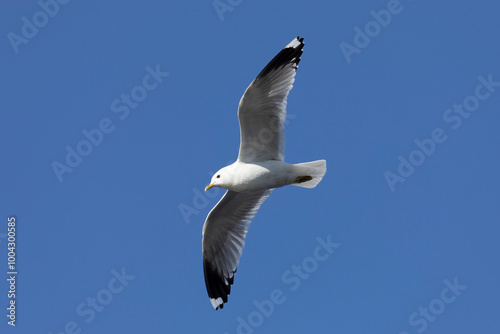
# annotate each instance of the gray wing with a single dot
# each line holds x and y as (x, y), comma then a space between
(262, 109)
(223, 240)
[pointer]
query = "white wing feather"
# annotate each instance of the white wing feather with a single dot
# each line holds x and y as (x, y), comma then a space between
(262, 108)
(224, 234)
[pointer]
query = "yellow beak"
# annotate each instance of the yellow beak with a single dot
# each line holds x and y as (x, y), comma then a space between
(209, 186)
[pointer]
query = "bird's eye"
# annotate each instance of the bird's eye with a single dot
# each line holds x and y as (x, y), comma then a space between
(218, 176)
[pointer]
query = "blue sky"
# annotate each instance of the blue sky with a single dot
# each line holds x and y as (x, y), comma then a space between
(401, 98)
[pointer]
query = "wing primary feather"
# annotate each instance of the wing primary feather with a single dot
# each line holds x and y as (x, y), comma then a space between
(290, 53)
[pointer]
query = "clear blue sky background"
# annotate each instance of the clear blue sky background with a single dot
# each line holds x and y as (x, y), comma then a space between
(120, 207)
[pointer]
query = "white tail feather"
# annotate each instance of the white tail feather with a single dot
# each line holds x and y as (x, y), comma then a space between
(315, 169)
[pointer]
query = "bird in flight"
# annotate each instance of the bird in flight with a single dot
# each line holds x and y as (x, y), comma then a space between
(259, 169)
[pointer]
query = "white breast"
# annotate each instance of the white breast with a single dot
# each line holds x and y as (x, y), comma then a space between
(261, 175)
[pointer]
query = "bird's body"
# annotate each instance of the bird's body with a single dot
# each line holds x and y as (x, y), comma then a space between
(259, 175)
(263, 175)
(259, 169)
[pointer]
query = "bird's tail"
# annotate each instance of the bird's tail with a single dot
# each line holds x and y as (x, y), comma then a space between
(309, 174)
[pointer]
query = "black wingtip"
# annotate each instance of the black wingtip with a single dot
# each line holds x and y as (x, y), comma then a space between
(290, 54)
(216, 285)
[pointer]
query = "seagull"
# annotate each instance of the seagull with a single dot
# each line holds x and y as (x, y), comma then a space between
(259, 169)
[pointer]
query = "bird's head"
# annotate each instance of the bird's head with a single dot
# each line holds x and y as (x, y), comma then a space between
(221, 179)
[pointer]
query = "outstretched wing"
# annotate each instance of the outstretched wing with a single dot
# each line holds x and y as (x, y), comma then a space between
(262, 109)
(223, 240)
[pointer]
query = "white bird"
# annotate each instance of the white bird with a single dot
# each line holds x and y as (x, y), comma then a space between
(257, 171)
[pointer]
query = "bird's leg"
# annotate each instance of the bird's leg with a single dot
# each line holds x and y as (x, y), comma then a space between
(301, 179)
